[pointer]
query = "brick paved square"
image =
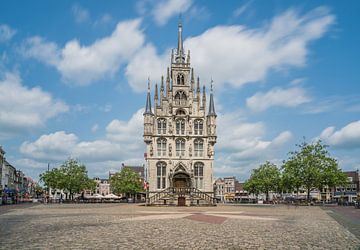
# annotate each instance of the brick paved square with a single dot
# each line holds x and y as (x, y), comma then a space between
(124, 226)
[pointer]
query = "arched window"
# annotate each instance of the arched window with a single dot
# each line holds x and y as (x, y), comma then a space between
(180, 98)
(161, 147)
(198, 127)
(180, 147)
(199, 147)
(180, 112)
(180, 126)
(161, 174)
(180, 79)
(199, 174)
(161, 123)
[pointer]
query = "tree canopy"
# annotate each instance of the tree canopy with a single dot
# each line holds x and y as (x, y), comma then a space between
(71, 177)
(311, 166)
(126, 182)
(264, 179)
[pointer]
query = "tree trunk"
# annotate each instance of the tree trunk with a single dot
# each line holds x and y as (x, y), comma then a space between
(308, 194)
(267, 196)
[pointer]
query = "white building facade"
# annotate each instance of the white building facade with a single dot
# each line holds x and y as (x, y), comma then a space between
(180, 132)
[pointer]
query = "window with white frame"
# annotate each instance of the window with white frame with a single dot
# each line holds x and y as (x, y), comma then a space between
(161, 175)
(198, 127)
(180, 147)
(199, 174)
(161, 125)
(198, 147)
(161, 147)
(180, 126)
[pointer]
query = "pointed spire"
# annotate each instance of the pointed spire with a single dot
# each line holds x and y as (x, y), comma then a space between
(211, 103)
(168, 82)
(148, 101)
(180, 42)
(188, 57)
(192, 80)
(162, 84)
(180, 56)
(204, 98)
(198, 85)
(156, 96)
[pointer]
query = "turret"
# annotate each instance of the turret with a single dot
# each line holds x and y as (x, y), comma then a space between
(156, 98)
(192, 84)
(148, 118)
(168, 88)
(162, 95)
(211, 118)
(203, 106)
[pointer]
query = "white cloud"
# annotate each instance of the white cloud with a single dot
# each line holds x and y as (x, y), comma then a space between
(282, 43)
(346, 137)
(224, 52)
(56, 146)
(83, 65)
(95, 128)
(243, 140)
(144, 64)
(44, 51)
(240, 10)
(290, 97)
(81, 15)
(6, 33)
(24, 108)
(128, 133)
(165, 9)
(123, 141)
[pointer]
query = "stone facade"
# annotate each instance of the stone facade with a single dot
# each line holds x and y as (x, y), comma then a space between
(180, 132)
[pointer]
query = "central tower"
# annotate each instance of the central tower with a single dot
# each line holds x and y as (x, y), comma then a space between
(180, 132)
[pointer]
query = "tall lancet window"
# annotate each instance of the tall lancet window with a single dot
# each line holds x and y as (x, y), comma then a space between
(180, 79)
(180, 147)
(198, 127)
(180, 98)
(198, 147)
(161, 126)
(161, 147)
(180, 126)
(199, 174)
(161, 175)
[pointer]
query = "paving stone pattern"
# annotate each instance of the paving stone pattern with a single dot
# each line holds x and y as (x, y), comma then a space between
(124, 226)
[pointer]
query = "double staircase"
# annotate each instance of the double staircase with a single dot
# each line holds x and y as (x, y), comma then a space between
(181, 197)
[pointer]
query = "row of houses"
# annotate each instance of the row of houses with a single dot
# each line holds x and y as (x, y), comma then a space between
(15, 186)
(229, 189)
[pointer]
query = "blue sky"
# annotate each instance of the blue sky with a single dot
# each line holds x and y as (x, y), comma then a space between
(73, 78)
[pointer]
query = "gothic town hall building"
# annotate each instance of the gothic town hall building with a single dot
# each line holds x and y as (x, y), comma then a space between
(180, 133)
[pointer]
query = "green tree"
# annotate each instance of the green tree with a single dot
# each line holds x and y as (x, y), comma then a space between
(71, 177)
(264, 179)
(126, 182)
(311, 167)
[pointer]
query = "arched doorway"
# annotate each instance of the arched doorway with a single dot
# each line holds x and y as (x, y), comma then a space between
(181, 180)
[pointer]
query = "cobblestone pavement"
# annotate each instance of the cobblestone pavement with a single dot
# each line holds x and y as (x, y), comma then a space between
(124, 226)
(347, 216)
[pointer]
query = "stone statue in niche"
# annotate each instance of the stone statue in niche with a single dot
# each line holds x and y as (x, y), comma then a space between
(209, 151)
(151, 149)
(190, 150)
(170, 149)
(170, 127)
